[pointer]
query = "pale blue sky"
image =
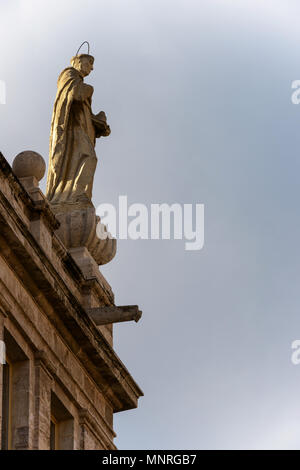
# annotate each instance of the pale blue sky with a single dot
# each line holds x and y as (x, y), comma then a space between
(198, 95)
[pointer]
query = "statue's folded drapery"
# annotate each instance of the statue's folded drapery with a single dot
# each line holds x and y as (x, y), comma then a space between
(73, 160)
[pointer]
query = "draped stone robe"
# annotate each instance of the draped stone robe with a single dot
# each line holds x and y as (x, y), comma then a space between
(72, 158)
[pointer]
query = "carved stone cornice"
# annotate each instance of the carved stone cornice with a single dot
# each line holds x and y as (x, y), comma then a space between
(45, 283)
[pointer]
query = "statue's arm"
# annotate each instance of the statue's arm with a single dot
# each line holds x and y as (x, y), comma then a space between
(102, 129)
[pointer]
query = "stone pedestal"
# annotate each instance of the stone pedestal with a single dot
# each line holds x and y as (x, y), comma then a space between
(79, 225)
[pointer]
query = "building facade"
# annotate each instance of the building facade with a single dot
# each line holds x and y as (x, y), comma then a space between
(61, 381)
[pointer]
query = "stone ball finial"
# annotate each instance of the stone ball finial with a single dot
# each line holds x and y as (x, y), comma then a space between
(29, 163)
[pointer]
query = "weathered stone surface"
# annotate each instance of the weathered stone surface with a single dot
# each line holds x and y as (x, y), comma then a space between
(29, 164)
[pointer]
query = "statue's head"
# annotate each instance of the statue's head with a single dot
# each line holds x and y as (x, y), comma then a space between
(83, 63)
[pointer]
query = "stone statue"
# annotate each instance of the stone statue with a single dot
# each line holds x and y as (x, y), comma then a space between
(74, 129)
(72, 165)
